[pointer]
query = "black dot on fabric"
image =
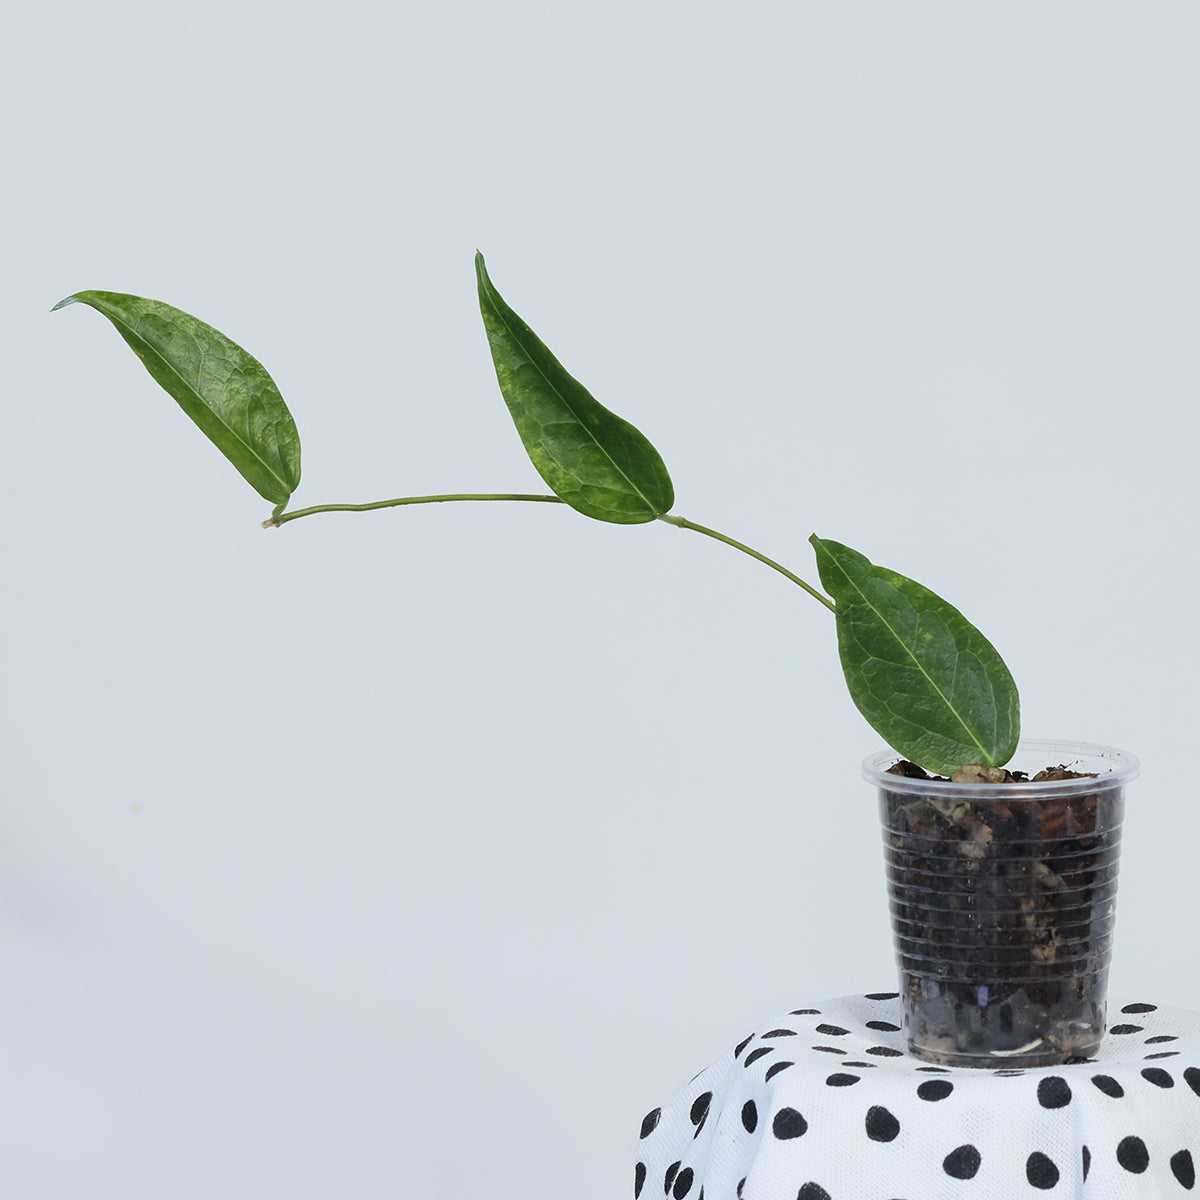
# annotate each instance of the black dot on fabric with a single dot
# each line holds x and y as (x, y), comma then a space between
(884, 1052)
(755, 1055)
(812, 1191)
(1164, 1054)
(669, 1177)
(1109, 1086)
(1127, 1029)
(883, 1026)
(1158, 1077)
(701, 1196)
(935, 1089)
(683, 1183)
(639, 1179)
(650, 1122)
(939, 1070)
(775, 1068)
(1162, 1037)
(1192, 1078)
(699, 1113)
(1054, 1092)
(780, 1033)
(848, 1063)
(882, 996)
(750, 1116)
(832, 1030)
(882, 1126)
(1184, 1169)
(830, 1049)
(1087, 1162)
(840, 1080)
(741, 1184)
(742, 1045)
(1139, 1008)
(805, 1012)
(1007, 1074)
(962, 1163)
(1040, 1171)
(788, 1123)
(1133, 1155)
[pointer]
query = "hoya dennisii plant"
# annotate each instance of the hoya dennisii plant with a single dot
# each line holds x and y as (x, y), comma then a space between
(926, 679)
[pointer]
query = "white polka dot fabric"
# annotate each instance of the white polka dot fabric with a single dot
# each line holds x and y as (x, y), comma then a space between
(826, 1104)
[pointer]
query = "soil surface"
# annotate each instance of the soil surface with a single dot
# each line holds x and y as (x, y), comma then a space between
(976, 773)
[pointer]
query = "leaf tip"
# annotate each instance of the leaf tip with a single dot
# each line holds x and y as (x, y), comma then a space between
(69, 300)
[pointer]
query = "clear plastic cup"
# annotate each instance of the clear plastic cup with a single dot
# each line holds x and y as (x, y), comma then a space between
(1003, 899)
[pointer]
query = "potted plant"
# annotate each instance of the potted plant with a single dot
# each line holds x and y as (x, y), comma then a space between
(1002, 881)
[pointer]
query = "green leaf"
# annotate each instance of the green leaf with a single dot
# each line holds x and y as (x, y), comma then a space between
(593, 460)
(226, 391)
(925, 678)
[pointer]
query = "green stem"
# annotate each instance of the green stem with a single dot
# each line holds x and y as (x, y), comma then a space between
(282, 518)
(278, 518)
(684, 523)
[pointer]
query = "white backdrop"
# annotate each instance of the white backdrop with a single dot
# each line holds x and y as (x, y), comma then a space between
(419, 853)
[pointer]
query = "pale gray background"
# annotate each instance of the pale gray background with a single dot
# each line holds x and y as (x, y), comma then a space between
(419, 853)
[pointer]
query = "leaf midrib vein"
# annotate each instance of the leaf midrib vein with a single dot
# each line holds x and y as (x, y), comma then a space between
(915, 660)
(220, 419)
(515, 335)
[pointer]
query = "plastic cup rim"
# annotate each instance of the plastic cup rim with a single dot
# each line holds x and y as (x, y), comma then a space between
(1123, 767)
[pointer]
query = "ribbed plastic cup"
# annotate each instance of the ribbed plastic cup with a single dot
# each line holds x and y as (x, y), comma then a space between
(1003, 898)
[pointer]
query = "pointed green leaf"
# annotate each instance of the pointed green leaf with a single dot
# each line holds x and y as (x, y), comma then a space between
(925, 678)
(226, 391)
(592, 460)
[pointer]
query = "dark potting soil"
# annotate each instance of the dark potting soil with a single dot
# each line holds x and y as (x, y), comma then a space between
(1003, 916)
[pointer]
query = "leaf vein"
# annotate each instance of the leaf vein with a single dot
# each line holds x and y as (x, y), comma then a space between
(515, 334)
